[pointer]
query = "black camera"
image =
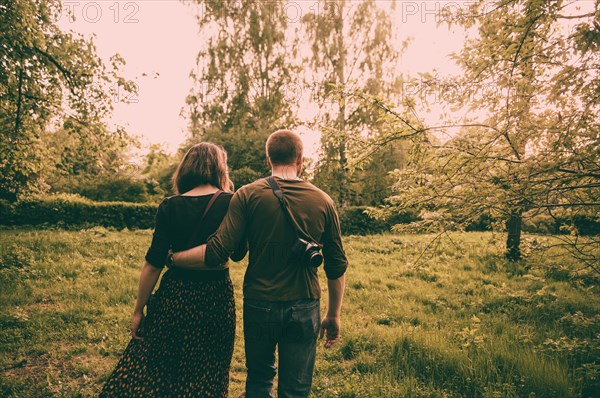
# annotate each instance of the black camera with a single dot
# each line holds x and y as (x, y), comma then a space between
(309, 253)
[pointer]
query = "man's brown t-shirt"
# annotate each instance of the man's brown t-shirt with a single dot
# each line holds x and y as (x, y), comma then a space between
(256, 216)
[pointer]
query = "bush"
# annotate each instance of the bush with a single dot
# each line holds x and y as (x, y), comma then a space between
(587, 225)
(354, 221)
(483, 222)
(114, 188)
(541, 224)
(244, 175)
(73, 211)
(6, 211)
(544, 224)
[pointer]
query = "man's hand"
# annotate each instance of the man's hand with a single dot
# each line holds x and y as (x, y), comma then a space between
(330, 326)
(331, 323)
(136, 322)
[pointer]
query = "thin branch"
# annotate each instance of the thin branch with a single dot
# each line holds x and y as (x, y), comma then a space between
(66, 74)
(579, 173)
(568, 204)
(591, 14)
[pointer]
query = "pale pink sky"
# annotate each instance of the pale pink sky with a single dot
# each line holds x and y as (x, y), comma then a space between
(160, 39)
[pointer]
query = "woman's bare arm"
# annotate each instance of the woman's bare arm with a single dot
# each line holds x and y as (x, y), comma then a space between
(148, 278)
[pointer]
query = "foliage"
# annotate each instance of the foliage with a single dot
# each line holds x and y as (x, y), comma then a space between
(158, 171)
(46, 73)
(73, 212)
(116, 189)
(6, 211)
(241, 82)
(351, 47)
(356, 221)
(463, 325)
(244, 176)
(121, 180)
(79, 158)
(536, 146)
(369, 182)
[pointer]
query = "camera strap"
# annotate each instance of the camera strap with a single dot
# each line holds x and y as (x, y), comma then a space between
(279, 194)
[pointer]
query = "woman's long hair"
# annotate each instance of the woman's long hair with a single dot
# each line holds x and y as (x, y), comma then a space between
(204, 163)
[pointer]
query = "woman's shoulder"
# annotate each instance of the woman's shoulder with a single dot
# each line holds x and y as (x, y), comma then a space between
(223, 196)
(165, 202)
(208, 195)
(178, 203)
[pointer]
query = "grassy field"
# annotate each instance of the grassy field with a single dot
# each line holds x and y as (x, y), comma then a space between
(464, 324)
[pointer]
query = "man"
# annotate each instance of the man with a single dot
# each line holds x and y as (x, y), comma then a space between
(281, 292)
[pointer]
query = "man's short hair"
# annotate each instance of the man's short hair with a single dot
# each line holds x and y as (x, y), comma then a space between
(284, 147)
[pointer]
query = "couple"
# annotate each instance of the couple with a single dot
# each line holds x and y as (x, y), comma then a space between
(183, 346)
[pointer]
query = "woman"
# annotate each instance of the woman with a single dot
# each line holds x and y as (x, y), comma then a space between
(184, 345)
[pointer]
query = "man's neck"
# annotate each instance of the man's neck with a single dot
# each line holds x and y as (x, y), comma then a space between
(285, 172)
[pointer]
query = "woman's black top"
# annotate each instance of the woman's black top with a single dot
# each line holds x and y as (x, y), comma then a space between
(178, 225)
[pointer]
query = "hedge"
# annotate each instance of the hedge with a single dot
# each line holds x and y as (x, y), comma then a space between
(544, 224)
(73, 211)
(354, 221)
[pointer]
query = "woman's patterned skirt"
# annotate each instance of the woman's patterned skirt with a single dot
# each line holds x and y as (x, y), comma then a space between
(187, 344)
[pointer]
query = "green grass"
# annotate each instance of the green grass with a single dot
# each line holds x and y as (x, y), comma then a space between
(466, 323)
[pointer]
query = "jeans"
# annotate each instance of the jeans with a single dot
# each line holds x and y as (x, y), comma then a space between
(292, 327)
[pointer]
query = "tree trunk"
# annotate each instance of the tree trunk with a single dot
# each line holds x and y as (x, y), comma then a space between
(343, 193)
(341, 77)
(19, 105)
(513, 241)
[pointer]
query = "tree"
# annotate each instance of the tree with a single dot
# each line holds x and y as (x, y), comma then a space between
(371, 183)
(351, 46)
(44, 74)
(537, 147)
(242, 81)
(159, 170)
(76, 157)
